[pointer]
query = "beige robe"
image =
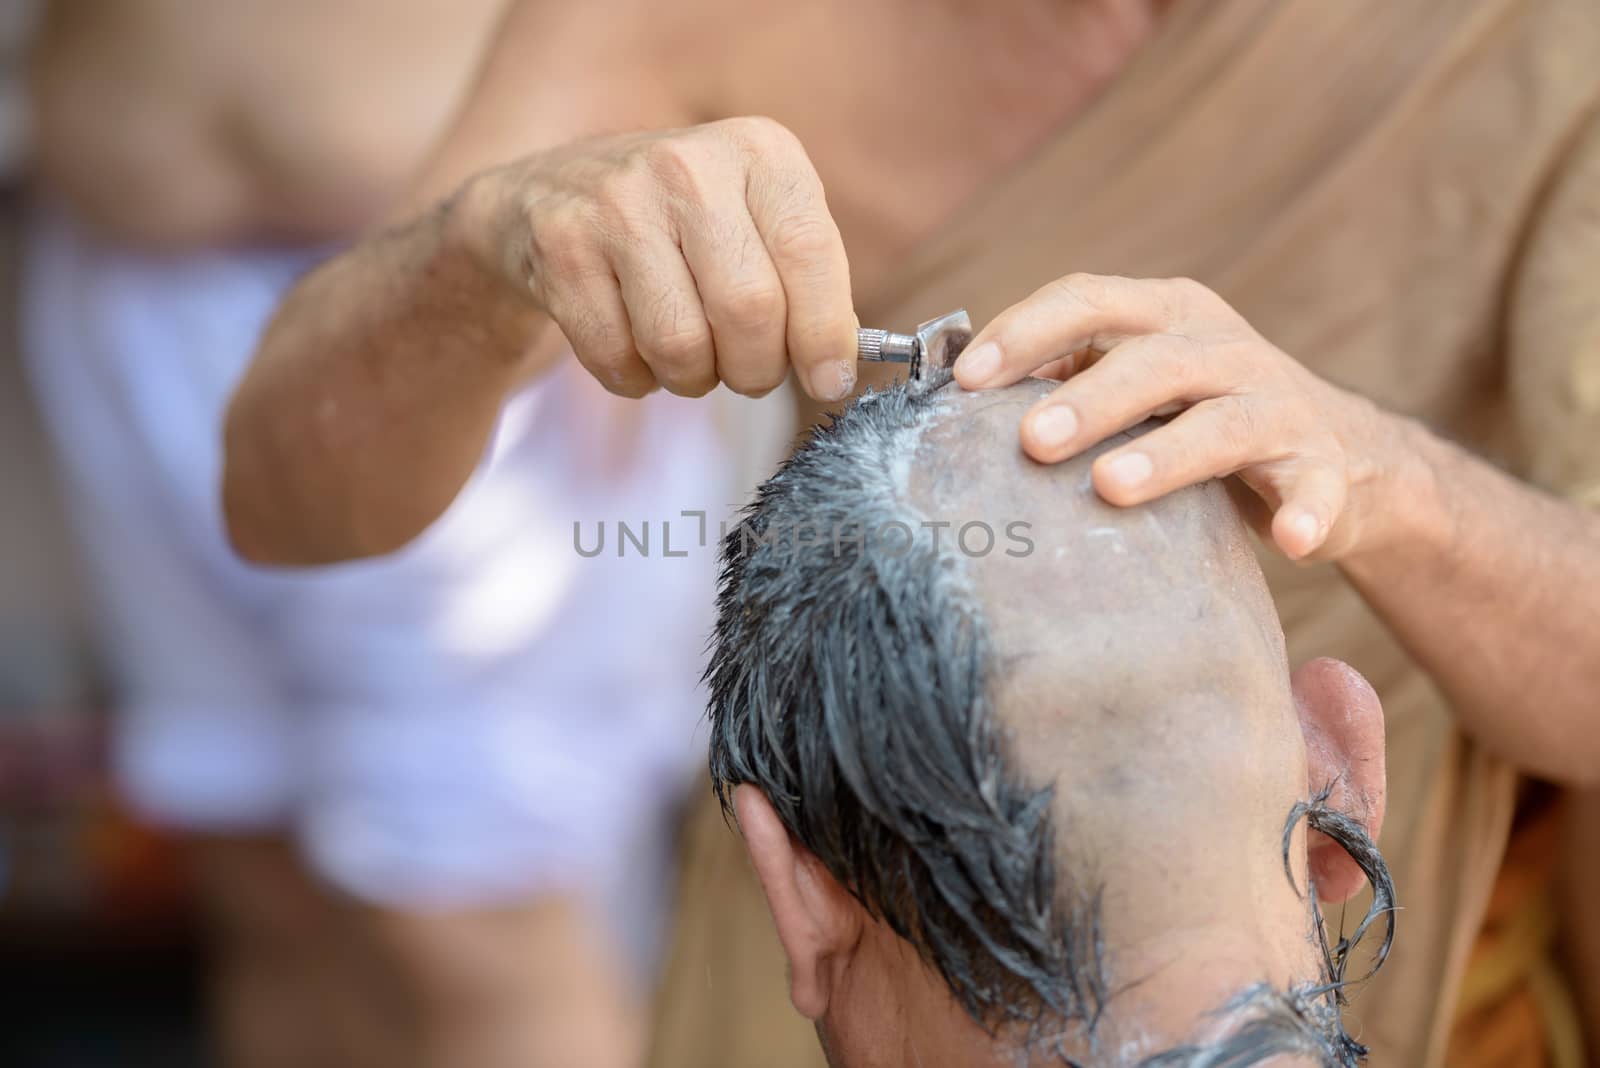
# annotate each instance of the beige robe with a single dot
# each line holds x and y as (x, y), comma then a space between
(1404, 195)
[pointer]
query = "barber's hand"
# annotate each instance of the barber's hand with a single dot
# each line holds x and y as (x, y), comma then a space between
(680, 258)
(1128, 349)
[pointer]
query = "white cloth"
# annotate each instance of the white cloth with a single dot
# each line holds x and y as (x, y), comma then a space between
(485, 715)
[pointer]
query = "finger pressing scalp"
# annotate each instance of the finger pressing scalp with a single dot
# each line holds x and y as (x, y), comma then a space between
(1210, 440)
(1134, 380)
(1075, 312)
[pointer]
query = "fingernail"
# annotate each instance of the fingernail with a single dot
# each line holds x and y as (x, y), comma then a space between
(977, 366)
(1129, 469)
(833, 381)
(1054, 426)
(1306, 528)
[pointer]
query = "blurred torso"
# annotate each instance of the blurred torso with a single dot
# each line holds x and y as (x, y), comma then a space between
(175, 124)
(172, 123)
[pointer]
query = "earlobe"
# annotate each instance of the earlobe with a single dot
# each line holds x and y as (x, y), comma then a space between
(1342, 722)
(816, 918)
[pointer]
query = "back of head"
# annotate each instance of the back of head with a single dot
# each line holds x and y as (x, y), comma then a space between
(850, 680)
(1017, 724)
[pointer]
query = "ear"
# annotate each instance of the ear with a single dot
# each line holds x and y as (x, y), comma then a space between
(1343, 726)
(818, 922)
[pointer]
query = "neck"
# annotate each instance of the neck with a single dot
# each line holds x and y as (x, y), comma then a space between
(1192, 987)
(1202, 986)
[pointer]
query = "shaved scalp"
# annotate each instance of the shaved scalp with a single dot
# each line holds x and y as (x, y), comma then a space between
(850, 682)
(863, 650)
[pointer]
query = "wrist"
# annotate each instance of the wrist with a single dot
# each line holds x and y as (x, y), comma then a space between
(1407, 513)
(470, 227)
(476, 275)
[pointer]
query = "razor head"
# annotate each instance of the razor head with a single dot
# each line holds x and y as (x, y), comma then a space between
(939, 342)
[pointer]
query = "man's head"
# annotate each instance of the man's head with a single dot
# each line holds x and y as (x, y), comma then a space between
(1025, 777)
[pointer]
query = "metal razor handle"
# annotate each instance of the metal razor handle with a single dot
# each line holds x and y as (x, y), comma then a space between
(882, 346)
(934, 346)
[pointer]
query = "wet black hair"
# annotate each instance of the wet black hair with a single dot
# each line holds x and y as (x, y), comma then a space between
(849, 680)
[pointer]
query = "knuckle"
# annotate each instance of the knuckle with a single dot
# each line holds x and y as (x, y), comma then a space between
(683, 364)
(598, 338)
(683, 351)
(759, 131)
(1239, 429)
(605, 350)
(562, 243)
(630, 384)
(1085, 290)
(1168, 362)
(1182, 359)
(802, 238)
(622, 201)
(751, 306)
(675, 162)
(613, 363)
(619, 186)
(1184, 296)
(754, 381)
(1190, 350)
(690, 385)
(1172, 380)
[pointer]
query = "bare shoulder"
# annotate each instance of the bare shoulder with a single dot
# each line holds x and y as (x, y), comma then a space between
(558, 72)
(176, 122)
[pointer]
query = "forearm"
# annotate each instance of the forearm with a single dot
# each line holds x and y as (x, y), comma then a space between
(1494, 587)
(373, 395)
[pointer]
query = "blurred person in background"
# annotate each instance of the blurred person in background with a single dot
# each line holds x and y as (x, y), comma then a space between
(428, 804)
(1397, 201)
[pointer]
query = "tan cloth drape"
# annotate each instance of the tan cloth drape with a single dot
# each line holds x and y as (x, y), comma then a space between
(1403, 194)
